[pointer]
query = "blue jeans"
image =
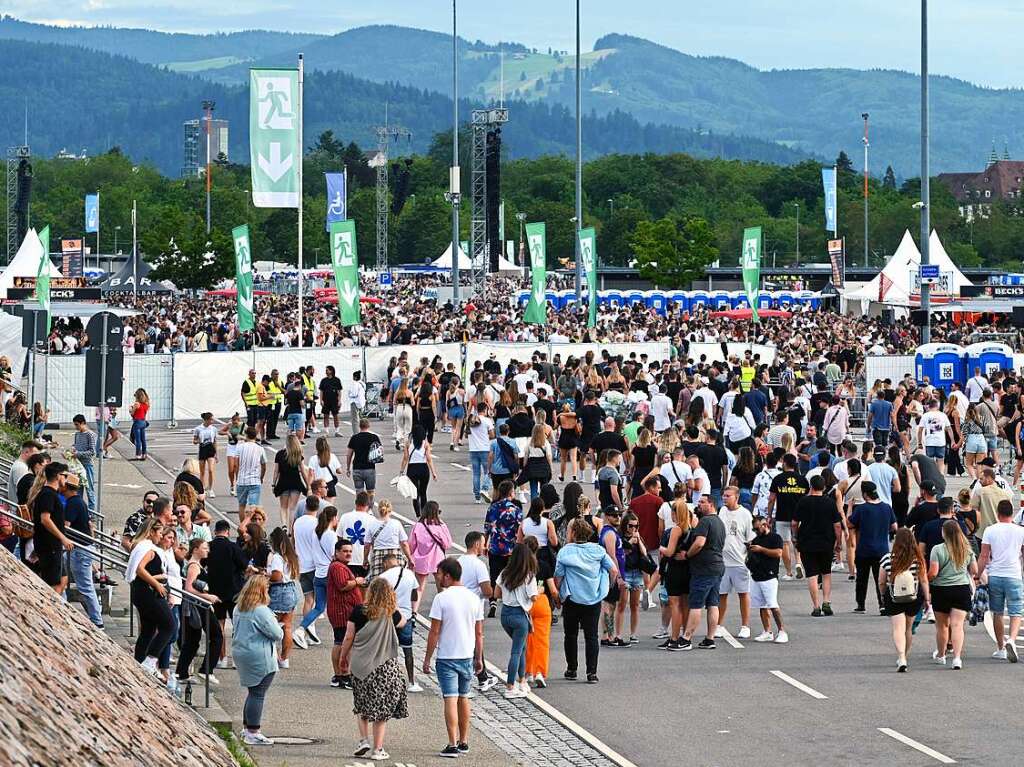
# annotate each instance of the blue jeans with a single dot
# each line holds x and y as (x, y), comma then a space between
(81, 571)
(478, 460)
(252, 709)
(517, 626)
(535, 488)
(90, 484)
(319, 602)
(138, 436)
(165, 656)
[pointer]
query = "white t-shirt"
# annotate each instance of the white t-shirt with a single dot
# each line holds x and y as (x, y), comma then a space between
(521, 596)
(661, 409)
(474, 572)
(676, 471)
(306, 542)
(354, 525)
(326, 473)
(976, 387)
(1005, 539)
(739, 531)
(762, 488)
(479, 435)
(933, 425)
(665, 515)
(459, 610)
(277, 563)
(403, 588)
(522, 378)
(205, 434)
(739, 428)
(710, 400)
(391, 534)
(356, 394)
(324, 552)
(703, 485)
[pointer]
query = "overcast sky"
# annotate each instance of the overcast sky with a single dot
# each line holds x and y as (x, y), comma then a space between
(977, 40)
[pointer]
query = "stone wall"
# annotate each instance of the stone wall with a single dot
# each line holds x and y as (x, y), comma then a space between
(70, 696)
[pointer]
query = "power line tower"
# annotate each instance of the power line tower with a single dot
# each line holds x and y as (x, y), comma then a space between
(15, 155)
(385, 135)
(486, 142)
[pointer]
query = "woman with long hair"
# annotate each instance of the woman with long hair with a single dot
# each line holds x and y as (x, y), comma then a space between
(205, 436)
(418, 466)
(233, 430)
(503, 409)
(326, 536)
(904, 588)
(324, 465)
(975, 447)
(570, 509)
(677, 569)
(517, 587)
(951, 570)
(184, 494)
(193, 617)
(370, 650)
(744, 474)
(537, 469)
(538, 641)
(455, 411)
(645, 454)
(739, 425)
(289, 479)
(283, 570)
(254, 542)
(426, 407)
(253, 642)
(139, 411)
(402, 403)
(385, 537)
(634, 552)
(536, 525)
(429, 539)
(954, 439)
(568, 441)
(147, 579)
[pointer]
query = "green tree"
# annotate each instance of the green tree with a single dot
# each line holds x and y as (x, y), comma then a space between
(196, 259)
(673, 254)
(889, 182)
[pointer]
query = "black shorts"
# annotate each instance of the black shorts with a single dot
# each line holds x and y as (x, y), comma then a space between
(947, 598)
(339, 634)
(816, 563)
(252, 415)
(207, 450)
(329, 408)
(50, 566)
(223, 609)
(677, 579)
(310, 410)
(306, 581)
(613, 595)
(910, 609)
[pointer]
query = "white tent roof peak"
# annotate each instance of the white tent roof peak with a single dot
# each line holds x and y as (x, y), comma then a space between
(25, 262)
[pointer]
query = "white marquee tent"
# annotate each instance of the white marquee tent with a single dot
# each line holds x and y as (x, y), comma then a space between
(25, 262)
(445, 261)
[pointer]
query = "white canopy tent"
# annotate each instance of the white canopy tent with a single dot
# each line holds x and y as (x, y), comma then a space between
(895, 286)
(445, 261)
(25, 262)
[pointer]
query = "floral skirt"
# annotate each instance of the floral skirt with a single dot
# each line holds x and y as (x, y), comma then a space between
(382, 695)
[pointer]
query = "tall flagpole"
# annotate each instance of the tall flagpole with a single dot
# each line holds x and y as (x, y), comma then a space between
(926, 289)
(135, 255)
(579, 163)
(301, 330)
(454, 177)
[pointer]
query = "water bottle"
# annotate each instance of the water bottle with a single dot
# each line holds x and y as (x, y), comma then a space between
(188, 693)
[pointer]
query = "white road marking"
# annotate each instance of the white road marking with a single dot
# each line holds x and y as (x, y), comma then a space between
(798, 685)
(942, 758)
(460, 466)
(730, 639)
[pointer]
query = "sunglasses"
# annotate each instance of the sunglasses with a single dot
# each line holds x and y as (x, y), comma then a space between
(632, 526)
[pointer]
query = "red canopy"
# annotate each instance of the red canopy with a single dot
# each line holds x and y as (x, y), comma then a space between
(330, 296)
(745, 314)
(231, 292)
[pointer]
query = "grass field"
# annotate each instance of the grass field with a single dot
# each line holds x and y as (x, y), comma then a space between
(523, 73)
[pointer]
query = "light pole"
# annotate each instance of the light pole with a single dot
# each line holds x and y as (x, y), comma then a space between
(116, 230)
(926, 328)
(454, 194)
(797, 205)
(611, 208)
(579, 162)
(866, 145)
(521, 217)
(208, 108)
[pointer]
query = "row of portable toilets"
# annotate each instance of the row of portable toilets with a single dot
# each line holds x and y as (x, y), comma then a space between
(685, 300)
(944, 364)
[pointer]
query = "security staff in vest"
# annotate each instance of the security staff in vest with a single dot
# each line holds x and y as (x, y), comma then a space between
(250, 386)
(309, 381)
(275, 390)
(747, 373)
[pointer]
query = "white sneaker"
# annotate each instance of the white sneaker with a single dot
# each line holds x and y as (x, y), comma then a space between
(414, 688)
(782, 638)
(838, 567)
(662, 634)
(743, 633)
(938, 660)
(379, 755)
(362, 748)
(210, 493)
(282, 663)
(720, 632)
(957, 664)
(786, 577)
(1000, 654)
(232, 491)
(213, 680)
(225, 662)
(489, 684)
(930, 615)
(311, 634)
(764, 636)
(529, 679)
(1011, 652)
(513, 692)
(524, 688)
(256, 739)
(299, 638)
(149, 666)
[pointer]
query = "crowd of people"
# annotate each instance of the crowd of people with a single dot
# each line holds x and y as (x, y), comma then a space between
(608, 484)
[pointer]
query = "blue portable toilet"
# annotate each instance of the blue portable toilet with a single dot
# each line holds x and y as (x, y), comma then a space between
(719, 299)
(784, 299)
(810, 299)
(738, 299)
(551, 296)
(615, 298)
(566, 297)
(940, 363)
(990, 356)
(602, 298)
(680, 299)
(524, 297)
(764, 301)
(699, 298)
(655, 299)
(633, 297)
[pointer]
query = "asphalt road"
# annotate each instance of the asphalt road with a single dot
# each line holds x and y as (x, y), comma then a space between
(843, 703)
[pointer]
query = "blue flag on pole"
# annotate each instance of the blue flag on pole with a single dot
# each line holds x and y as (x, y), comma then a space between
(828, 180)
(92, 212)
(336, 198)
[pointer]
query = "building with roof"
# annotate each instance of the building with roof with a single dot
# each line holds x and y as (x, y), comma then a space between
(975, 192)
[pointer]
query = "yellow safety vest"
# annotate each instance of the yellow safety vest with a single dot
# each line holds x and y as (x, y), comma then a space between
(310, 387)
(276, 393)
(746, 378)
(249, 397)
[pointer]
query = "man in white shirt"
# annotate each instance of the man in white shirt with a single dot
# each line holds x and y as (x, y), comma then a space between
(709, 398)
(931, 433)
(1001, 546)
(677, 470)
(976, 385)
(403, 581)
(701, 483)
(781, 427)
(306, 546)
(457, 634)
(526, 373)
(763, 484)
(661, 409)
(739, 531)
(959, 398)
(477, 578)
(354, 525)
(356, 400)
(252, 466)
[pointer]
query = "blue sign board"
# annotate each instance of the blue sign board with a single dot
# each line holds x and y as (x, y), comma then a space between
(929, 272)
(384, 279)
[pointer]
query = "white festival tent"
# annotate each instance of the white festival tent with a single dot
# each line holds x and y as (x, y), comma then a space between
(445, 261)
(893, 286)
(25, 263)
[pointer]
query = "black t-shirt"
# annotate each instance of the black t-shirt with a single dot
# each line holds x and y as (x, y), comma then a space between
(930, 534)
(789, 487)
(923, 512)
(294, 401)
(76, 514)
(590, 419)
(761, 566)
(330, 390)
(708, 561)
(24, 485)
(609, 440)
(817, 515)
(192, 479)
(47, 502)
(644, 457)
(549, 409)
(360, 445)
(690, 448)
(674, 389)
(713, 458)
(745, 480)
(1008, 404)
(225, 566)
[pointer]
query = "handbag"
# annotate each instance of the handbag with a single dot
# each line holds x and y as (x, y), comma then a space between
(405, 487)
(24, 531)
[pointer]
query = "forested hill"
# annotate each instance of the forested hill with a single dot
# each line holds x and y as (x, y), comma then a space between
(81, 99)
